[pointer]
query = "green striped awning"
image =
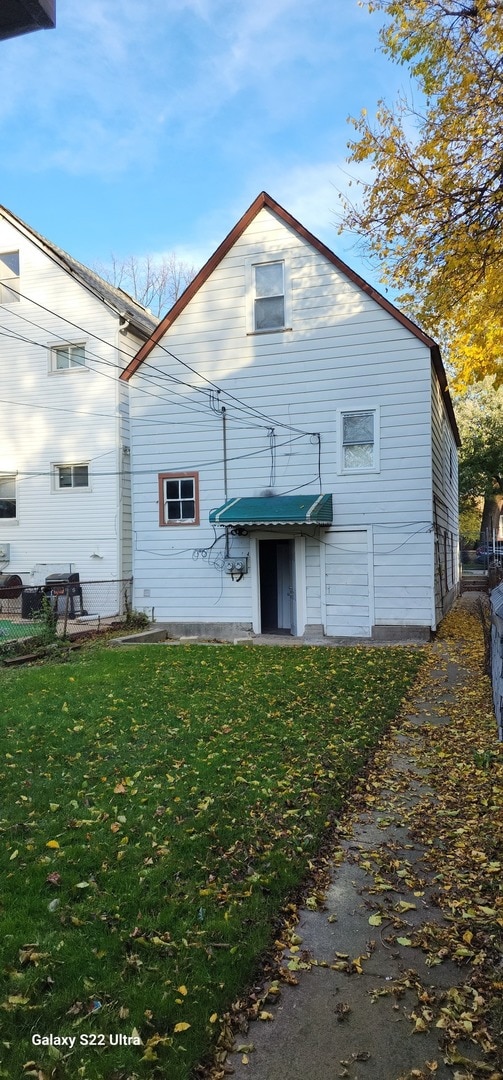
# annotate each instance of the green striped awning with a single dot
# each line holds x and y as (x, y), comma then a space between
(275, 510)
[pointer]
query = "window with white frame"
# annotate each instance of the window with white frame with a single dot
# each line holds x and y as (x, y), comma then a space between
(71, 477)
(67, 357)
(269, 296)
(9, 277)
(8, 502)
(358, 440)
(178, 499)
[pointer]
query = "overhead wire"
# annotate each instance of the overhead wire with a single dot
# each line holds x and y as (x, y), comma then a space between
(24, 474)
(5, 332)
(247, 408)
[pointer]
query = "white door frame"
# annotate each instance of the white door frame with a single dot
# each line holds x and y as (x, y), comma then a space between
(299, 584)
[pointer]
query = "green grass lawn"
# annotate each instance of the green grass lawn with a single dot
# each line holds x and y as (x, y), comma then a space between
(159, 805)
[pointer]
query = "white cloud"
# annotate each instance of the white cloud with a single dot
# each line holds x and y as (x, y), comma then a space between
(309, 192)
(113, 81)
(313, 194)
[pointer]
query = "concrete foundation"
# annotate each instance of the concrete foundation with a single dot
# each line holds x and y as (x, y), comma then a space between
(401, 633)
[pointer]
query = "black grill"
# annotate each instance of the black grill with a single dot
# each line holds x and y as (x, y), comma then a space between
(10, 586)
(58, 587)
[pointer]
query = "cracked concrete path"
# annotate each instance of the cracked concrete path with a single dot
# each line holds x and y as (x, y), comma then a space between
(356, 1024)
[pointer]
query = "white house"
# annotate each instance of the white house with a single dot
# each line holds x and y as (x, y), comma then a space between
(65, 336)
(299, 471)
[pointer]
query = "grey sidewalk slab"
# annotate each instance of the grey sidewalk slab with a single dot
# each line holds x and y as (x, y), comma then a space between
(339, 1024)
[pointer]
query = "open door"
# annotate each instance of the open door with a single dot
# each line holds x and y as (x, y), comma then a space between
(277, 586)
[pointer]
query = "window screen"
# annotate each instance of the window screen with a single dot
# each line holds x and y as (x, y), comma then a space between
(358, 440)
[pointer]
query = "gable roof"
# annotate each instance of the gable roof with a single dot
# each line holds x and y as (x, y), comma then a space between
(140, 318)
(266, 201)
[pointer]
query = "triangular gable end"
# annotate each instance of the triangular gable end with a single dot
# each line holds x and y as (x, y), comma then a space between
(266, 201)
(112, 296)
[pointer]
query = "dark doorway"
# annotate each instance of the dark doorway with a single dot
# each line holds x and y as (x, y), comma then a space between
(277, 595)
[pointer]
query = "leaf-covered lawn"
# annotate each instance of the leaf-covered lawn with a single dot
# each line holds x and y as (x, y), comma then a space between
(159, 806)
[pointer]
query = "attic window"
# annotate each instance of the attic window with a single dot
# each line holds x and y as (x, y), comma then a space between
(9, 277)
(269, 304)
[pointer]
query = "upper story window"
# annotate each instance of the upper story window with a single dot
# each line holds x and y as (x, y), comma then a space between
(65, 357)
(178, 499)
(9, 277)
(67, 477)
(8, 508)
(269, 296)
(359, 440)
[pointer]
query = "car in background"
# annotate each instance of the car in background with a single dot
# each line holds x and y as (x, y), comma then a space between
(490, 554)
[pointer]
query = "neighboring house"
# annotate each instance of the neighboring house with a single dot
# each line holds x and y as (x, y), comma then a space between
(300, 473)
(65, 335)
(22, 16)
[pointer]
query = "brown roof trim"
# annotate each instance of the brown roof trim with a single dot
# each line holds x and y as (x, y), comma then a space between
(265, 200)
(195, 284)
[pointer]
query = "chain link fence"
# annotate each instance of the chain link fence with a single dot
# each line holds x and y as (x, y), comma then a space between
(68, 606)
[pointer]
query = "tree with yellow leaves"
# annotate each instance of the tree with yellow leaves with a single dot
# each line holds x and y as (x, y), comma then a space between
(433, 214)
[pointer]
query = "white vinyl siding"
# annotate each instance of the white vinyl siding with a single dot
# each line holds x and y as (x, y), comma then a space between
(61, 420)
(347, 585)
(445, 504)
(340, 351)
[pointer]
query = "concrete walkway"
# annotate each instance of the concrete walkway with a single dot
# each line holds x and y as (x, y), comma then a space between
(350, 1014)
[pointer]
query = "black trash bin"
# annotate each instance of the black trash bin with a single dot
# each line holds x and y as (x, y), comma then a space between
(31, 602)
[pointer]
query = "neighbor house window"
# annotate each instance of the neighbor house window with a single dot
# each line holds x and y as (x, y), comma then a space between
(359, 450)
(269, 296)
(178, 499)
(7, 495)
(64, 357)
(9, 277)
(68, 477)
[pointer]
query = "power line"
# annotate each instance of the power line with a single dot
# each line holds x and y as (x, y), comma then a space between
(26, 475)
(232, 397)
(5, 332)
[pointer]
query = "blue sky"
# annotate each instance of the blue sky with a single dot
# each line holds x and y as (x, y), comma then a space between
(149, 127)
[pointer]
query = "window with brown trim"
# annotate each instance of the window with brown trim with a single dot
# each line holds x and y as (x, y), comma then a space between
(179, 498)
